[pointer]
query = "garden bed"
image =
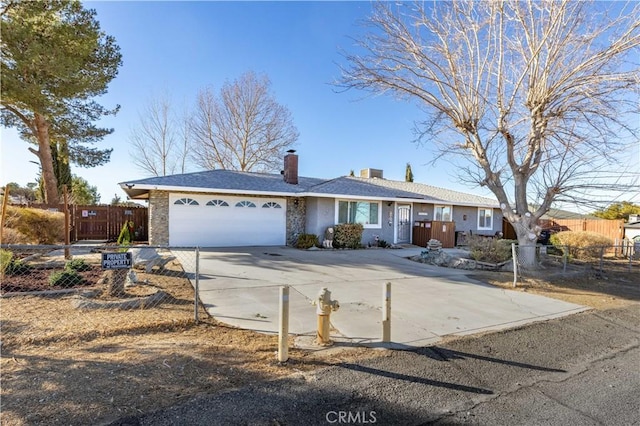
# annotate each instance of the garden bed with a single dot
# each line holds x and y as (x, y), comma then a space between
(37, 279)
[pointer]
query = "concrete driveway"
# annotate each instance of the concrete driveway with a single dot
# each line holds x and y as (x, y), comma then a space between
(240, 287)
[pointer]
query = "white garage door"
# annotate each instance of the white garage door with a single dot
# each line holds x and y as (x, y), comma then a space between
(226, 221)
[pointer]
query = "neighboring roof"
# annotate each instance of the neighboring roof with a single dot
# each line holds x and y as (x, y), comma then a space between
(634, 225)
(273, 184)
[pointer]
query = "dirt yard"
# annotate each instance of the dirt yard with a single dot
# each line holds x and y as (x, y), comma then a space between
(61, 365)
(64, 366)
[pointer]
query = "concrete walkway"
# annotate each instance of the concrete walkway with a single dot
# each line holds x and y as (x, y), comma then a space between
(240, 287)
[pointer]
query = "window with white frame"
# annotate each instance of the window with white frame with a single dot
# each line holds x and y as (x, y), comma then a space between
(485, 218)
(442, 213)
(365, 212)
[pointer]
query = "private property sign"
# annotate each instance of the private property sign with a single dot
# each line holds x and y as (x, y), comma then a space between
(116, 260)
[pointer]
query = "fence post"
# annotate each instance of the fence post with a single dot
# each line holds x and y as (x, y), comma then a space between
(514, 256)
(283, 331)
(601, 258)
(386, 313)
(565, 258)
(197, 285)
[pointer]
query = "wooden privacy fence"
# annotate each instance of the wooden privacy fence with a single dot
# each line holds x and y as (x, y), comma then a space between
(609, 228)
(102, 222)
(444, 232)
(613, 229)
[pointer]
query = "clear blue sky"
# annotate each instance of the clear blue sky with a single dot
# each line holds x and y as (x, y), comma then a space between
(181, 47)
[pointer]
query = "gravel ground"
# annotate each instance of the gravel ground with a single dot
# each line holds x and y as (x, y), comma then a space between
(581, 369)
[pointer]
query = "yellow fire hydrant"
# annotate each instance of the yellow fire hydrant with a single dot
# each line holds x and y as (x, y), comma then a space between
(324, 307)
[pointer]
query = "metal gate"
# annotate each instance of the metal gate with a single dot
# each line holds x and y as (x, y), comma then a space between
(404, 223)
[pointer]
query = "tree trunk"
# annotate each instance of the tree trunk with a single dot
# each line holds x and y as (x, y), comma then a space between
(50, 182)
(115, 280)
(527, 239)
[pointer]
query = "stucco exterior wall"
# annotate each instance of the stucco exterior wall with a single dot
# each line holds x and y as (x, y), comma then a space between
(320, 215)
(158, 218)
(466, 218)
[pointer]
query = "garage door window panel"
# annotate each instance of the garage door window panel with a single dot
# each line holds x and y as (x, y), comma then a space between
(271, 205)
(218, 203)
(186, 202)
(245, 204)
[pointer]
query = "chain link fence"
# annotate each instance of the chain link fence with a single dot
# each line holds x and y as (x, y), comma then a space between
(83, 291)
(620, 260)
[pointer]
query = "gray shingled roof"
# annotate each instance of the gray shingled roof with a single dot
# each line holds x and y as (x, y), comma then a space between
(273, 183)
(420, 190)
(230, 180)
(360, 187)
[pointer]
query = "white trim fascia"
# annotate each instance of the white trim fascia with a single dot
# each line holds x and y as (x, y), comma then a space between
(399, 200)
(211, 190)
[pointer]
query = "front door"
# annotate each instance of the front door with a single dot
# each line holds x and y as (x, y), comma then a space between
(404, 223)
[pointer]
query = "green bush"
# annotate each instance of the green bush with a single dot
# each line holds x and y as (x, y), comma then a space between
(489, 250)
(306, 241)
(383, 244)
(580, 244)
(348, 235)
(13, 266)
(5, 260)
(38, 226)
(66, 278)
(78, 265)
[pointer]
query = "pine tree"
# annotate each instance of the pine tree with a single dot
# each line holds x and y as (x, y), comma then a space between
(408, 176)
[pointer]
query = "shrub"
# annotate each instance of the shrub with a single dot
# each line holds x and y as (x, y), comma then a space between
(38, 226)
(306, 241)
(5, 259)
(17, 267)
(489, 250)
(580, 244)
(348, 235)
(66, 278)
(78, 265)
(383, 244)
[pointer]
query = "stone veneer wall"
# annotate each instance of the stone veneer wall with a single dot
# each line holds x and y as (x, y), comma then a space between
(296, 218)
(158, 218)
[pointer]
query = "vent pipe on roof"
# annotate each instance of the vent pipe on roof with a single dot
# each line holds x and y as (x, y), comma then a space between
(291, 167)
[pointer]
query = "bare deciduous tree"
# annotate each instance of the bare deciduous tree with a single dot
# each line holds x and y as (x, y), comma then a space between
(160, 142)
(242, 128)
(535, 97)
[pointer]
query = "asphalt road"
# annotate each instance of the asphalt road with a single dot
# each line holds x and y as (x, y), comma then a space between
(578, 370)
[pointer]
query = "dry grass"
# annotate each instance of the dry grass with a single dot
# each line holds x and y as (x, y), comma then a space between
(64, 366)
(613, 290)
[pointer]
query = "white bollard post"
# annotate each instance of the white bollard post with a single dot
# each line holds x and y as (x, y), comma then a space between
(283, 332)
(386, 313)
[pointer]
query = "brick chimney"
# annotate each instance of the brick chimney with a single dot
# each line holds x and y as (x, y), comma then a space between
(291, 167)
